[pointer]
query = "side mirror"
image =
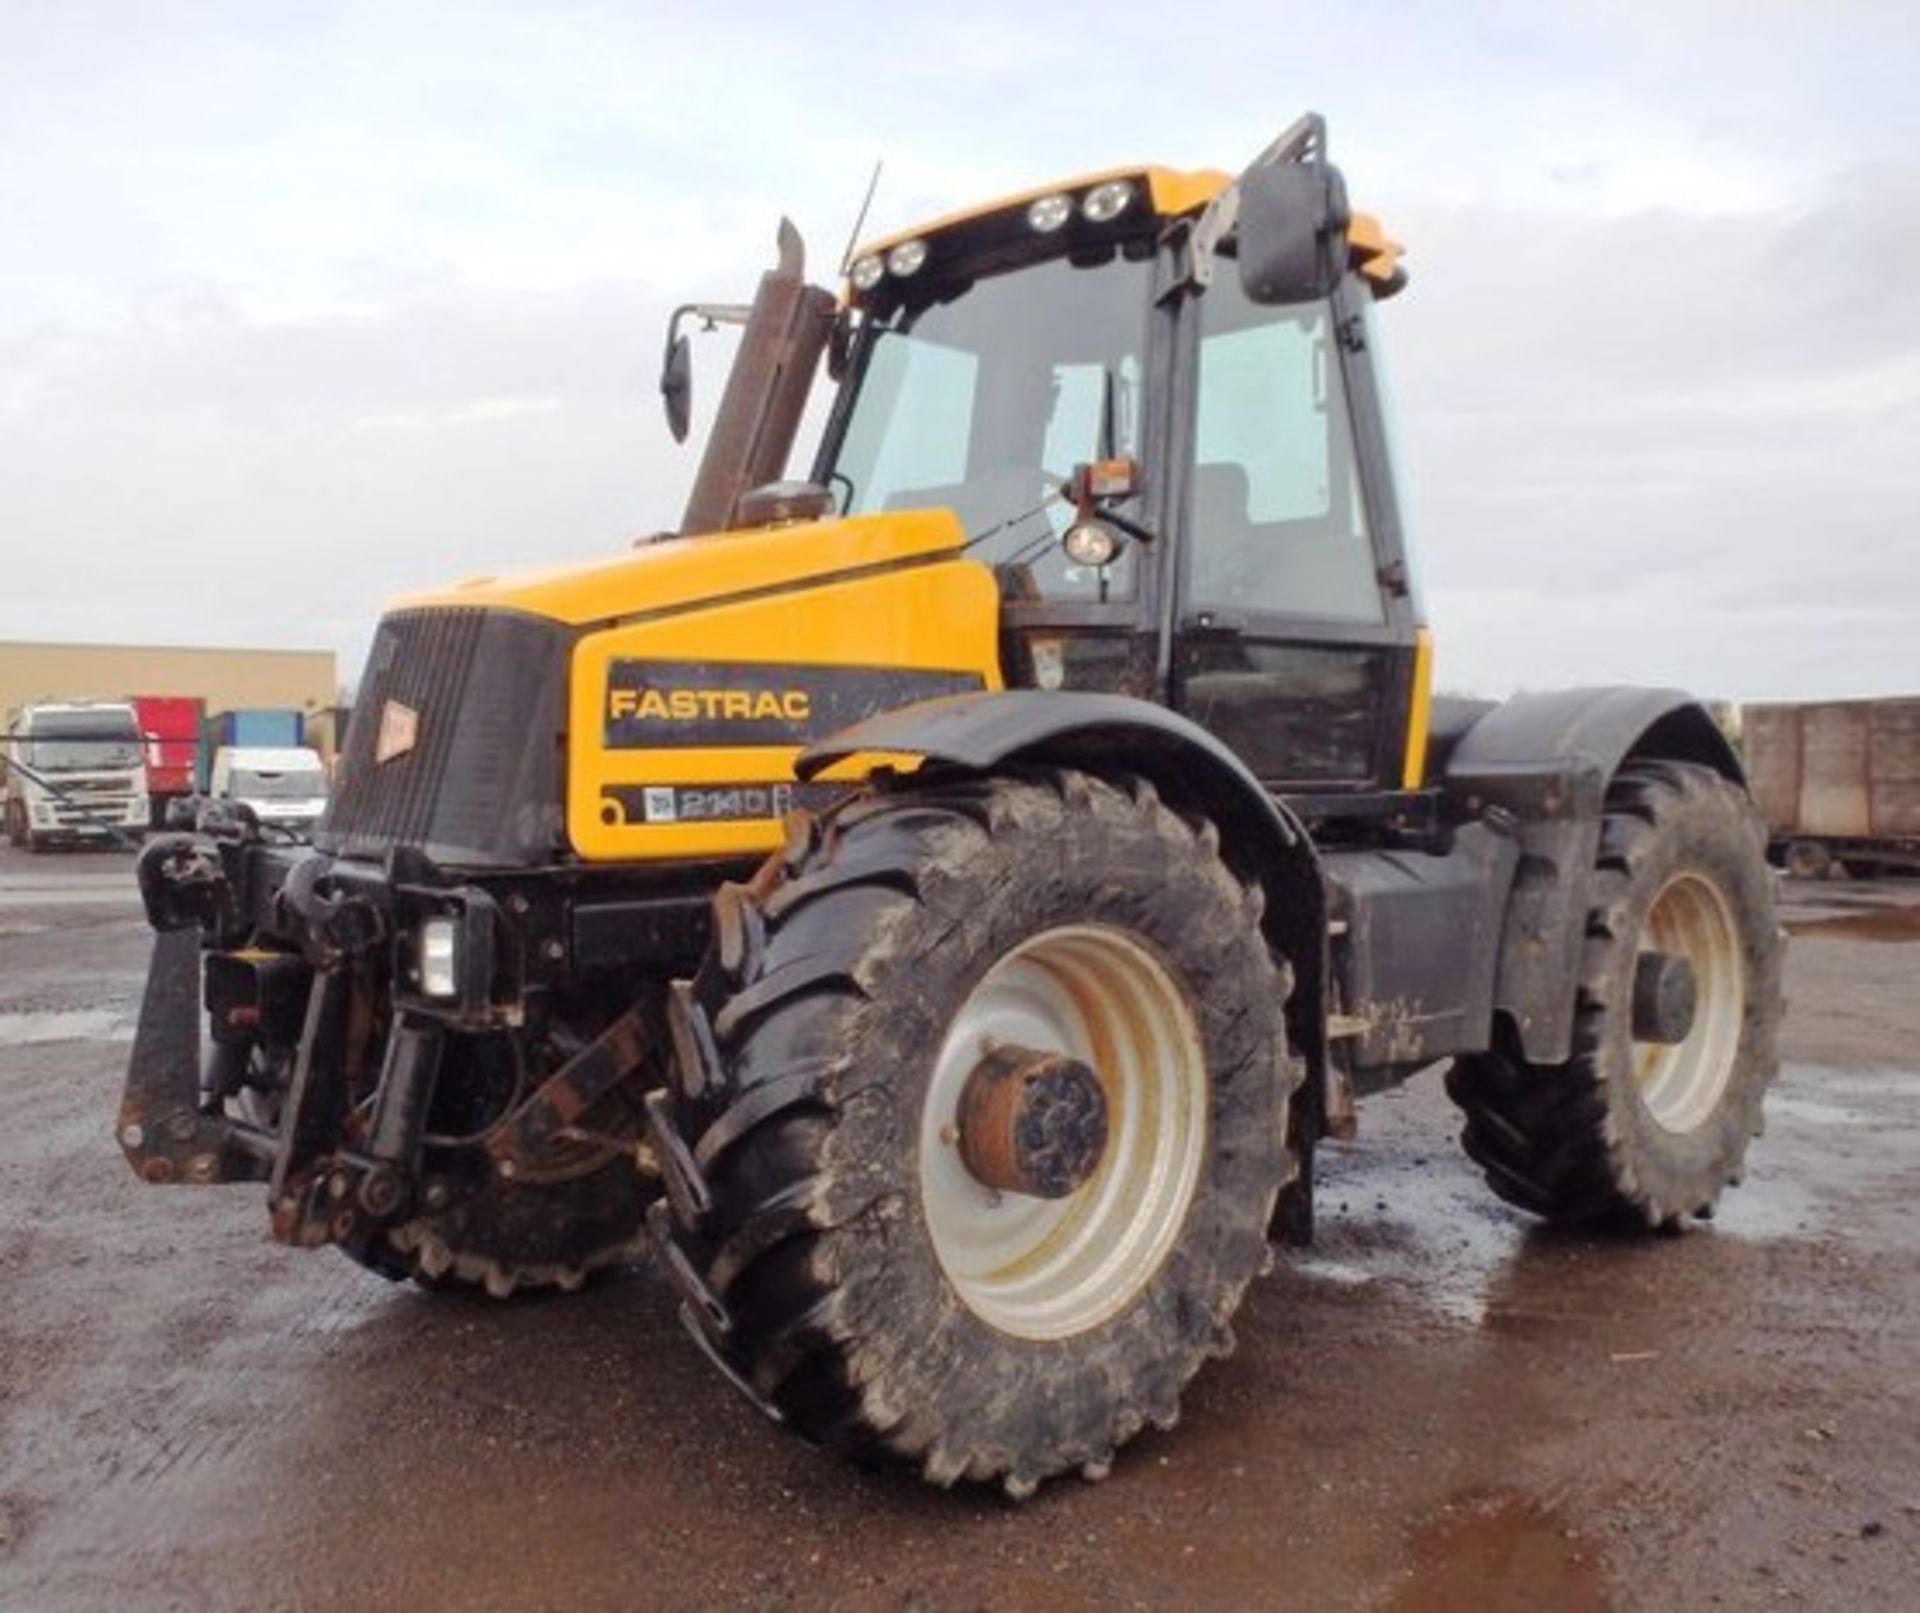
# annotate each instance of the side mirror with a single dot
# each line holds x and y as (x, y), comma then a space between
(676, 386)
(1292, 231)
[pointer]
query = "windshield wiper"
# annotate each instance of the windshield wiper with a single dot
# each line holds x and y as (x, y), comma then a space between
(1011, 521)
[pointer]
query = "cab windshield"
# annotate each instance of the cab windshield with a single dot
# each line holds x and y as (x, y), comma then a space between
(82, 744)
(983, 403)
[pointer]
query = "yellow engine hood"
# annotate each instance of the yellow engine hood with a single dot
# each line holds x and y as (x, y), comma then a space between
(680, 573)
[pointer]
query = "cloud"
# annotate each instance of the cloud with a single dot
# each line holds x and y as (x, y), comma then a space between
(1701, 423)
(306, 305)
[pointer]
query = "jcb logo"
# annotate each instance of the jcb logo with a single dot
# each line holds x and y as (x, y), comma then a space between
(710, 705)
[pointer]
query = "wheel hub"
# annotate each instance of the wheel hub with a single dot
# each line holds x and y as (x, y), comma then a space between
(1032, 1122)
(1665, 996)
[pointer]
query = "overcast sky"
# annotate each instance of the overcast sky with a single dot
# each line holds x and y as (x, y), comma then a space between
(306, 303)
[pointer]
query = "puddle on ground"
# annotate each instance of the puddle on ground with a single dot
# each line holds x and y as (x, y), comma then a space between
(1815, 1113)
(1483, 1553)
(1767, 1210)
(1386, 1218)
(1871, 1081)
(1872, 924)
(38, 1027)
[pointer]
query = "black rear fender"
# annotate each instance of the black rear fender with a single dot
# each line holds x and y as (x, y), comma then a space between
(1543, 762)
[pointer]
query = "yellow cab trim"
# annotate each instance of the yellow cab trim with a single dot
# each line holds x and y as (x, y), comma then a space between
(1419, 712)
(1371, 250)
(1170, 191)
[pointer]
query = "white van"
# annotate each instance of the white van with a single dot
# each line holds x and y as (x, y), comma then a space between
(286, 787)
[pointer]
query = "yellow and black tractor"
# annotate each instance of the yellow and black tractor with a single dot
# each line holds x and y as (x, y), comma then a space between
(937, 906)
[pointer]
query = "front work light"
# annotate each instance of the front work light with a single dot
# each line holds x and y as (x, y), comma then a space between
(1049, 213)
(906, 258)
(439, 958)
(1107, 201)
(866, 272)
(1090, 543)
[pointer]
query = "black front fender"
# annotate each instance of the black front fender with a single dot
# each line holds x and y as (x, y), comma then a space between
(1107, 733)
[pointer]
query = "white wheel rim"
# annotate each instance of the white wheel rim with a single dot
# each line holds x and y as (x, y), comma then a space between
(1681, 1084)
(1051, 1268)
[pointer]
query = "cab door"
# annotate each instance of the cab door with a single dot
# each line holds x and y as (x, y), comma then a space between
(1297, 638)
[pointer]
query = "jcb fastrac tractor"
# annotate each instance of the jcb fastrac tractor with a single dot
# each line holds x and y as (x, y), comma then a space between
(937, 906)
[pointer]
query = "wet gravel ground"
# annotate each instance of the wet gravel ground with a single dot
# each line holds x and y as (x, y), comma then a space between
(1442, 1406)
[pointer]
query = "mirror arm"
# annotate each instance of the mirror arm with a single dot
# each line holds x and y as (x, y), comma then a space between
(711, 315)
(1303, 140)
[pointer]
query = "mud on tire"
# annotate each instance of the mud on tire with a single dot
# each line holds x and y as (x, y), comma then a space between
(1636, 1135)
(830, 999)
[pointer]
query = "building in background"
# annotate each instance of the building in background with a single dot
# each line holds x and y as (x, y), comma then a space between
(226, 680)
(184, 694)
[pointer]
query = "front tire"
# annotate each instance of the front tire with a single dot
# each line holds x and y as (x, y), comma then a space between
(880, 1295)
(1634, 1131)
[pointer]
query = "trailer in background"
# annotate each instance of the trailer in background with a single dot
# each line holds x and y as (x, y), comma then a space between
(1838, 781)
(171, 726)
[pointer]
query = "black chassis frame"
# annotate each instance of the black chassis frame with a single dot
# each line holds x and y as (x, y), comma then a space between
(296, 952)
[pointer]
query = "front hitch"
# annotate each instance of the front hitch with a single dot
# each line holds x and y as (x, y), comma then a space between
(162, 1129)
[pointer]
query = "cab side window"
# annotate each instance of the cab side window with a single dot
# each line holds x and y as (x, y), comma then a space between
(1277, 524)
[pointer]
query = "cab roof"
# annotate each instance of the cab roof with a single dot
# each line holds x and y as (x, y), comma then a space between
(1170, 193)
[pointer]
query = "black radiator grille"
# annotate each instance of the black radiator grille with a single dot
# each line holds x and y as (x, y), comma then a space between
(481, 781)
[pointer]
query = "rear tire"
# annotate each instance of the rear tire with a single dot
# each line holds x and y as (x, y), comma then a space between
(879, 1296)
(1640, 1135)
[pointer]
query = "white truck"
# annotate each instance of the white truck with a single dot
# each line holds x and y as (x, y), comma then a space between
(75, 771)
(284, 786)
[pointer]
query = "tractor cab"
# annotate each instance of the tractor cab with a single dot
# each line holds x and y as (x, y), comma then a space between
(1240, 559)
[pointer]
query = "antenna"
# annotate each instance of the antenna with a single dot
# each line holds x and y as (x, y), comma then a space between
(853, 235)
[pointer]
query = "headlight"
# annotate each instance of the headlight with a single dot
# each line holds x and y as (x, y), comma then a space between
(439, 958)
(866, 272)
(1049, 213)
(1090, 543)
(906, 258)
(1107, 201)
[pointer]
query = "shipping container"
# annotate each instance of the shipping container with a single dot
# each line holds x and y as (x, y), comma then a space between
(1838, 781)
(257, 725)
